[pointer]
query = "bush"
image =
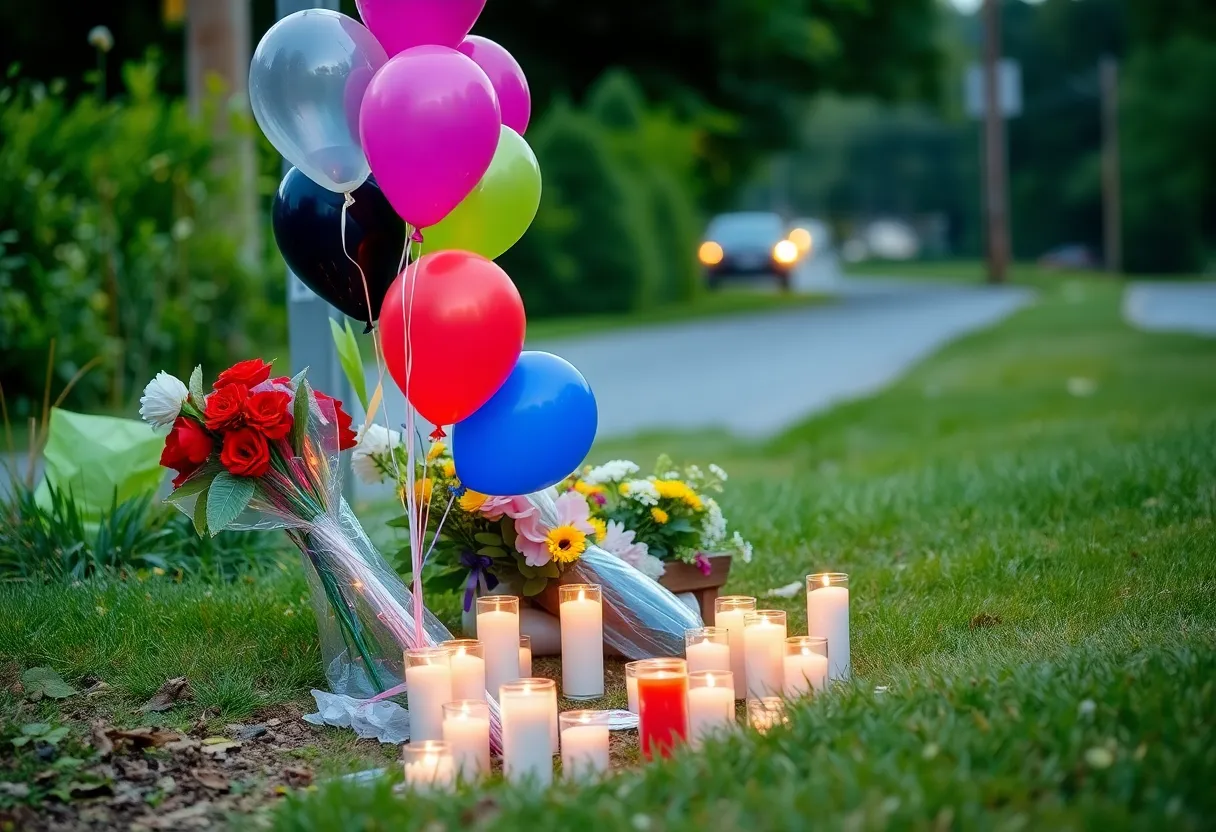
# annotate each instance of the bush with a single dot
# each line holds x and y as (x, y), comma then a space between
(113, 243)
(134, 539)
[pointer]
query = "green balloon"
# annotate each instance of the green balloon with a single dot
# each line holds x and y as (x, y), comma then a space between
(499, 210)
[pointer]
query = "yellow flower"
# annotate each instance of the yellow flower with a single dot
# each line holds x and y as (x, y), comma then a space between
(423, 490)
(624, 489)
(587, 490)
(449, 468)
(472, 501)
(566, 544)
(659, 515)
(601, 528)
(676, 490)
(436, 451)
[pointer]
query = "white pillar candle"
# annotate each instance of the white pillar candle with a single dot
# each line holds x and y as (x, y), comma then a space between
(711, 703)
(525, 657)
(429, 766)
(764, 648)
(428, 685)
(498, 632)
(529, 710)
(584, 744)
(631, 685)
(806, 665)
(707, 649)
(728, 615)
(466, 730)
(582, 617)
(468, 668)
(827, 616)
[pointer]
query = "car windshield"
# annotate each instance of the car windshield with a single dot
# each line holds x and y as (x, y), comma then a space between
(730, 229)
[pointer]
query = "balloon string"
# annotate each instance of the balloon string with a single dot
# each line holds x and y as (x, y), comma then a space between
(411, 500)
(377, 346)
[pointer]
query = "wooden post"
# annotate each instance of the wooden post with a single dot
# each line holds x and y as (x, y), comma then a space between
(1112, 224)
(996, 202)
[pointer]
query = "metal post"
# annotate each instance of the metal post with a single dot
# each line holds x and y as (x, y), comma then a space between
(1112, 227)
(996, 202)
(308, 336)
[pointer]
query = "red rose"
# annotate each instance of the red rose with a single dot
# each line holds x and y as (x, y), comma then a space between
(281, 381)
(249, 373)
(225, 408)
(269, 412)
(332, 410)
(246, 453)
(186, 448)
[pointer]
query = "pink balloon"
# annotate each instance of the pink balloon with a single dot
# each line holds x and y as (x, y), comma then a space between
(429, 125)
(508, 79)
(402, 24)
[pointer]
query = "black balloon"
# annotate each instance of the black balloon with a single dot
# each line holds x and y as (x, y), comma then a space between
(308, 228)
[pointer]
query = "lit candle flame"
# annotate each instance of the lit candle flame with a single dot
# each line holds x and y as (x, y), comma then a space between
(582, 595)
(585, 719)
(464, 711)
(709, 680)
(806, 651)
(827, 581)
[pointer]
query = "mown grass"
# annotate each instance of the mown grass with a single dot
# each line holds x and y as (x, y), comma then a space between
(1028, 522)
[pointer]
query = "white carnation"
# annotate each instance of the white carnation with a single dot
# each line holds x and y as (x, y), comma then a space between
(372, 458)
(713, 527)
(642, 491)
(162, 401)
(613, 471)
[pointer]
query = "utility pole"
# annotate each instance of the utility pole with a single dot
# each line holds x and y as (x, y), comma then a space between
(217, 49)
(1112, 221)
(995, 196)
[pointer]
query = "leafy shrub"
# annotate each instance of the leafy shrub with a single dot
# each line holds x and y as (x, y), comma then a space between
(135, 538)
(114, 241)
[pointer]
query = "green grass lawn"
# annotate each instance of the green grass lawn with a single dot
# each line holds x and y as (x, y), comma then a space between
(961, 271)
(1027, 519)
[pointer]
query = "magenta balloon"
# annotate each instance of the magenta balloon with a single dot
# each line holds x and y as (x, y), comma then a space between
(402, 24)
(429, 126)
(508, 79)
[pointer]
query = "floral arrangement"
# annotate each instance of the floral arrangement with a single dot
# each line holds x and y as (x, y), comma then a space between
(482, 541)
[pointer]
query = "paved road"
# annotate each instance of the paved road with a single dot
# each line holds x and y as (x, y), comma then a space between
(756, 375)
(1172, 307)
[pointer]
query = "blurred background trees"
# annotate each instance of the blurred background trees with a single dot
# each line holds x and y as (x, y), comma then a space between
(117, 199)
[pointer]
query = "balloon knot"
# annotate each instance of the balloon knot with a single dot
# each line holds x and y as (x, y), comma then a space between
(437, 434)
(370, 327)
(348, 199)
(416, 237)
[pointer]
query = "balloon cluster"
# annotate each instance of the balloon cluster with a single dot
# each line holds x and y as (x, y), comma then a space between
(409, 130)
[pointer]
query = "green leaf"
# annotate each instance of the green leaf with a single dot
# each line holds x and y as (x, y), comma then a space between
(535, 586)
(53, 736)
(196, 387)
(197, 483)
(350, 358)
(550, 570)
(488, 539)
(401, 522)
(448, 581)
(508, 532)
(300, 414)
(42, 681)
(35, 729)
(527, 571)
(679, 525)
(226, 499)
(20, 741)
(492, 551)
(200, 513)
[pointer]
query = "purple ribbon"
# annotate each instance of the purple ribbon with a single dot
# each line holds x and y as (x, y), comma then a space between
(479, 576)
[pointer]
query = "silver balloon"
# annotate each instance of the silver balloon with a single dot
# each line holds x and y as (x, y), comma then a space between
(306, 85)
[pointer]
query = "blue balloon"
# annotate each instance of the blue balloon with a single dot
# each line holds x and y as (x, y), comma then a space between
(531, 434)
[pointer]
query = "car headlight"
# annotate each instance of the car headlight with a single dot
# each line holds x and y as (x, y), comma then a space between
(802, 238)
(785, 252)
(710, 253)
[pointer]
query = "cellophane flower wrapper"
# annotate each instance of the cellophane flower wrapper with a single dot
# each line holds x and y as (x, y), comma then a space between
(642, 618)
(365, 613)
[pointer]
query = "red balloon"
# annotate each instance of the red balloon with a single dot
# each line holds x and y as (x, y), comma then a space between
(465, 323)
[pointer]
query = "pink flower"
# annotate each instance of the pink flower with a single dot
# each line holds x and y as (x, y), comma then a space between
(703, 564)
(599, 498)
(514, 507)
(531, 534)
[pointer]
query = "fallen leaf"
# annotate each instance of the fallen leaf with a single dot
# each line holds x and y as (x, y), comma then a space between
(984, 620)
(100, 739)
(144, 737)
(168, 695)
(248, 732)
(173, 820)
(211, 778)
(99, 689)
(81, 789)
(220, 747)
(297, 777)
(184, 744)
(274, 723)
(42, 681)
(215, 740)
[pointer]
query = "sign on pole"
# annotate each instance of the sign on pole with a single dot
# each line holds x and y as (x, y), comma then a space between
(1009, 77)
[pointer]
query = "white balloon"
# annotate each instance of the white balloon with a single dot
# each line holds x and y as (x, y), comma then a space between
(306, 85)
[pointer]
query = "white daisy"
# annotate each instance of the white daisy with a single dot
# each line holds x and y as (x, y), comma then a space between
(162, 401)
(613, 471)
(372, 458)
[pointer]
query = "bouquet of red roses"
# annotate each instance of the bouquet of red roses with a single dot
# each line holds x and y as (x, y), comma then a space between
(257, 452)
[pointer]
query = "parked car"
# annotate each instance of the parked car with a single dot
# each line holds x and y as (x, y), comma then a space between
(748, 244)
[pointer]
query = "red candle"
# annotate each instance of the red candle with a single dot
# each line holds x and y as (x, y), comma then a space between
(662, 706)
